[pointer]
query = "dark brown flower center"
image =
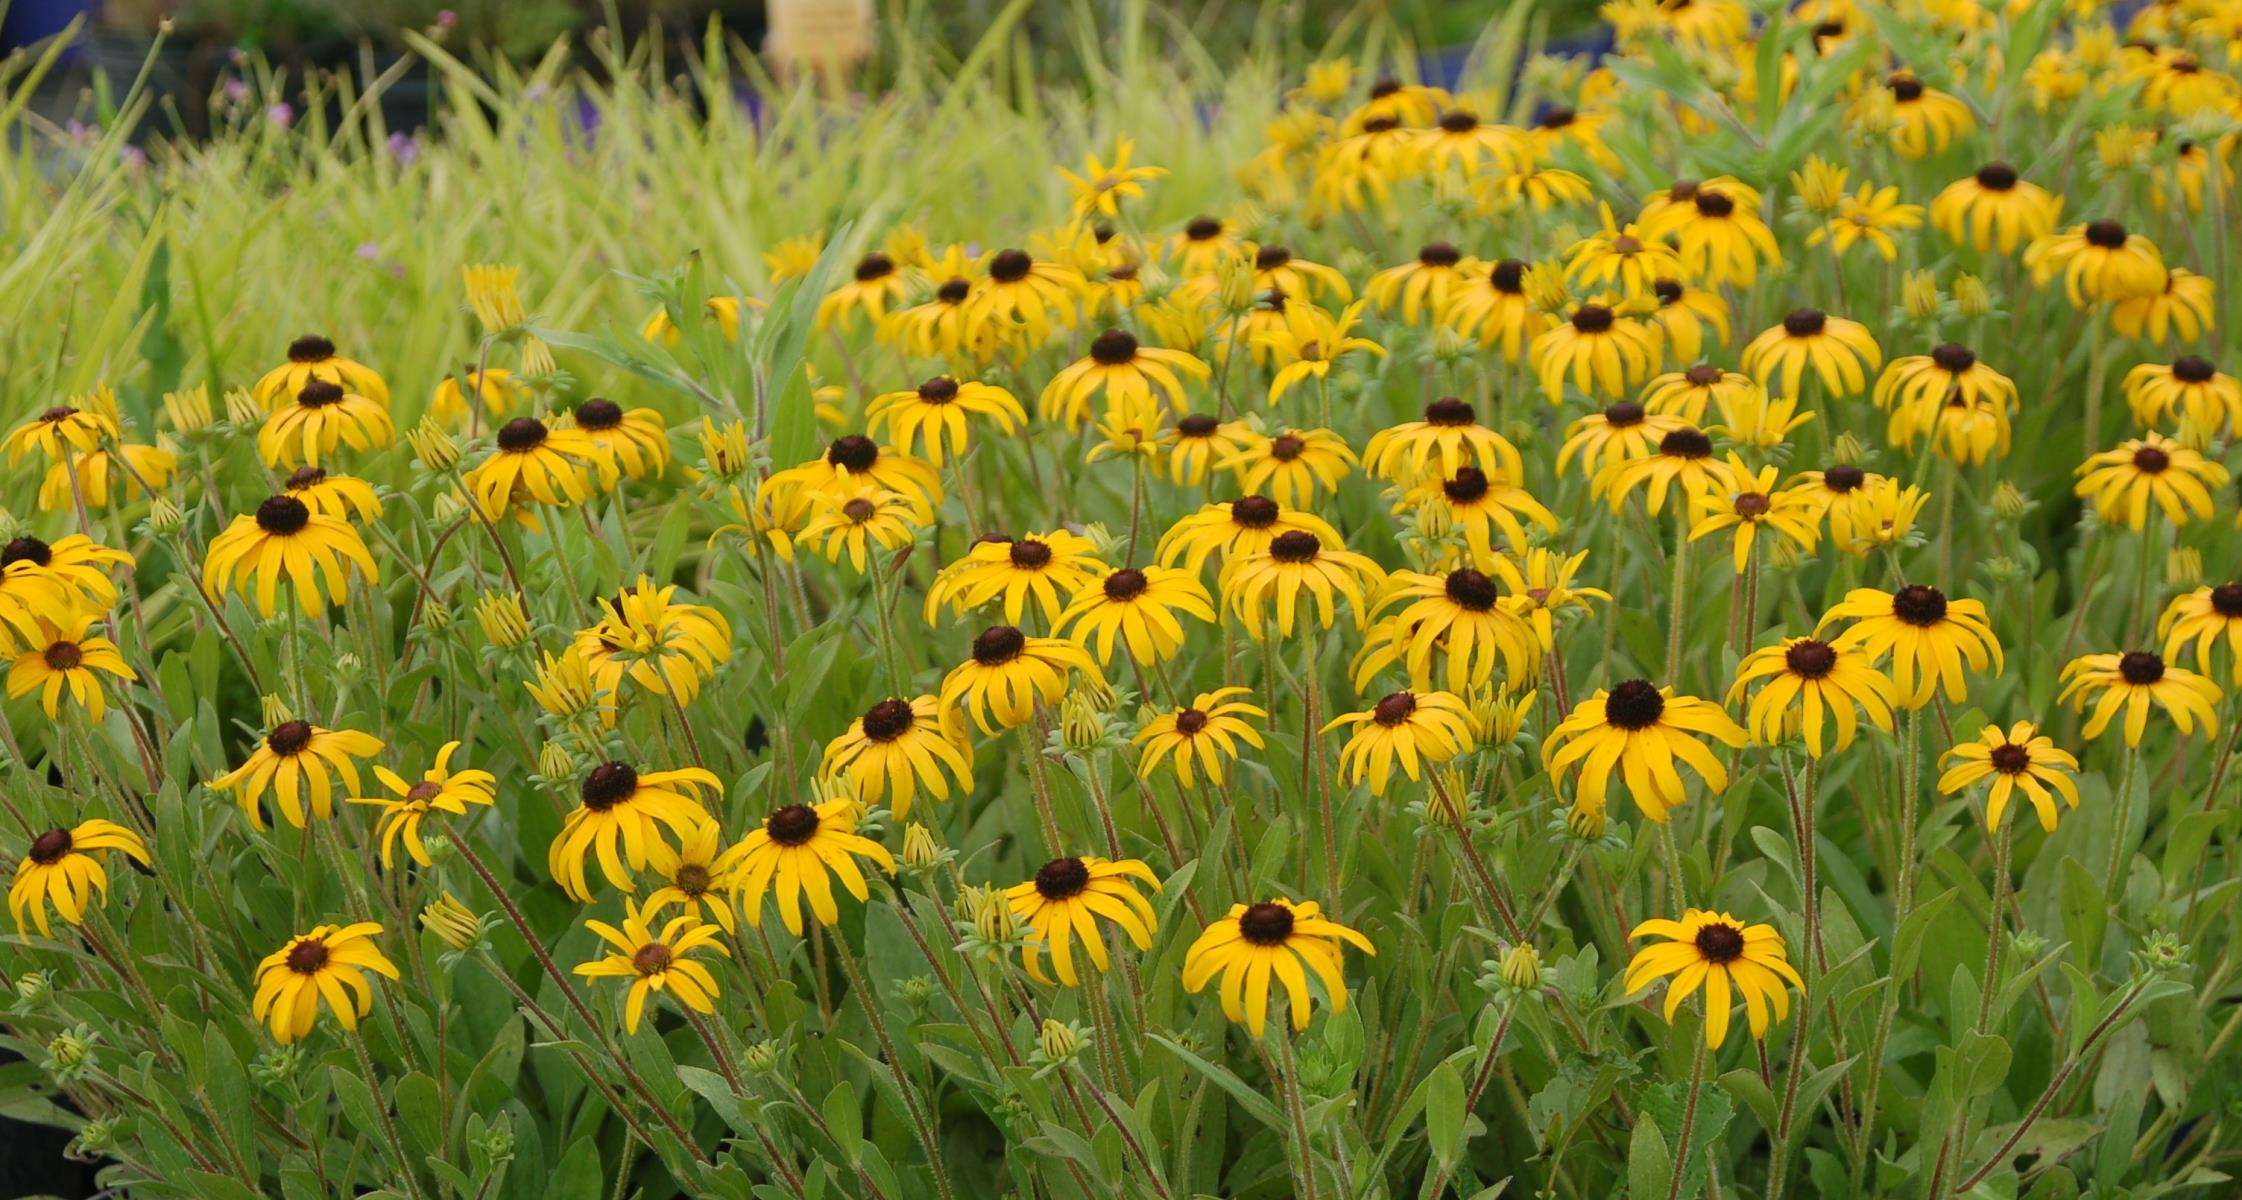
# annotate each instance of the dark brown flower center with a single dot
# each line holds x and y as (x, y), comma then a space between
(1459, 120)
(1844, 477)
(1905, 87)
(303, 478)
(1592, 318)
(2193, 368)
(307, 956)
(1668, 290)
(63, 656)
(1269, 258)
(998, 645)
(1439, 254)
(653, 958)
(1751, 505)
(1125, 273)
(954, 290)
(1508, 276)
(1714, 204)
(1114, 347)
(1010, 266)
(1468, 485)
(1029, 554)
(1704, 375)
(1682, 191)
(1626, 244)
(1720, 943)
(1203, 229)
(1450, 412)
(310, 348)
(873, 267)
(1686, 442)
(598, 414)
(2140, 668)
(1294, 546)
(692, 879)
(1996, 177)
(1472, 589)
(319, 393)
(1128, 583)
(1286, 447)
(1557, 118)
(521, 435)
(1197, 425)
(853, 453)
(1190, 721)
(1634, 704)
(1828, 29)
(49, 847)
(1804, 322)
(1395, 709)
(939, 390)
(859, 510)
(2226, 600)
(2010, 759)
(1384, 86)
(1623, 415)
(2149, 460)
(608, 785)
(887, 720)
(424, 791)
(1062, 879)
(1380, 124)
(1266, 924)
(1254, 512)
(792, 825)
(283, 516)
(2108, 234)
(26, 549)
(1954, 358)
(1918, 604)
(289, 738)
(1810, 659)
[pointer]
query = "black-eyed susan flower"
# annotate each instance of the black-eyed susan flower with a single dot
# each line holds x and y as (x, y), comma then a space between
(439, 790)
(697, 877)
(1277, 269)
(1049, 567)
(1256, 947)
(646, 635)
(1620, 257)
(286, 540)
(793, 257)
(1545, 588)
(1928, 637)
(1869, 216)
(1479, 505)
(1310, 344)
(61, 658)
(1291, 467)
(934, 416)
(1892, 509)
(1102, 186)
(1448, 437)
(1006, 674)
(1623, 430)
(898, 748)
(1560, 128)
(2132, 682)
(723, 310)
(1413, 728)
(1422, 286)
(1841, 493)
(1461, 617)
(2190, 390)
(1604, 353)
(2181, 307)
(2020, 759)
(91, 478)
(1638, 730)
(1924, 120)
(1716, 225)
(1752, 501)
(620, 817)
(331, 495)
(856, 523)
(875, 285)
(328, 964)
(1752, 417)
(2123, 481)
(310, 357)
(1461, 143)
(59, 433)
(656, 962)
(534, 462)
(1684, 314)
(317, 419)
(1025, 297)
(1728, 958)
(72, 572)
(1063, 904)
(1802, 683)
(1237, 529)
(2099, 261)
(1994, 208)
(2202, 617)
(63, 869)
(1293, 564)
(1840, 351)
(1206, 732)
(1135, 378)
(636, 438)
(1137, 605)
(1684, 462)
(1962, 428)
(1196, 442)
(798, 851)
(1491, 305)
(298, 762)
(1924, 383)
(1202, 245)
(495, 389)
(849, 461)
(1391, 99)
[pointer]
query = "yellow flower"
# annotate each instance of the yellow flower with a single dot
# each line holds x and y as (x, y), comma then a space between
(1460, 142)
(1135, 378)
(1638, 730)
(1462, 615)
(495, 388)
(1802, 681)
(1139, 605)
(897, 747)
(2123, 481)
(338, 496)
(876, 285)
(1995, 207)
(1237, 530)
(1924, 120)
(1684, 458)
(626, 810)
(88, 477)
(2201, 616)
(63, 868)
(286, 540)
(1197, 442)
(439, 789)
(1546, 588)
(1295, 562)
(2100, 262)
(2192, 389)
(2131, 681)
(801, 849)
(793, 257)
(1008, 672)
(1869, 215)
(36, 577)
(1621, 432)
(934, 415)
(2021, 759)
(1256, 947)
(1621, 257)
(492, 295)
(1717, 225)
(1605, 353)
(1491, 305)
(1820, 184)
(328, 964)
(60, 656)
(1310, 343)
(1063, 902)
(1047, 566)
(1754, 501)
(1751, 417)
(311, 357)
(1724, 955)
(724, 310)
(534, 462)
(1422, 286)
(1023, 297)
(1841, 352)
(656, 962)
(1207, 731)
(1413, 727)
(638, 440)
(1928, 637)
(854, 524)
(60, 431)
(1101, 188)
(1291, 467)
(296, 757)
(663, 645)
(1404, 453)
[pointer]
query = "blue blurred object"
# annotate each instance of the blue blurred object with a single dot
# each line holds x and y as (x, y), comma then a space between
(31, 21)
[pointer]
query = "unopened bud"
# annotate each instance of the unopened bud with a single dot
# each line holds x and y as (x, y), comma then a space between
(165, 518)
(1585, 821)
(2009, 502)
(504, 619)
(555, 762)
(242, 408)
(275, 709)
(434, 447)
(1080, 726)
(1919, 294)
(1521, 968)
(1971, 298)
(1233, 278)
(761, 1057)
(1058, 1040)
(453, 923)
(2183, 567)
(919, 850)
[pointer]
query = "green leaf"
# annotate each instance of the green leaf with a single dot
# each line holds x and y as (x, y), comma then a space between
(1907, 944)
(579, 1176)
(1981, 1065)
(2086, 912)
(844, 1118)
(1444, 1113)
(1255, 1104)
(1650, 1165)
(359, 1104)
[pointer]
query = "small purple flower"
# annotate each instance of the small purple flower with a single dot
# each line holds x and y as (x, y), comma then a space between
(446, 18)
(370, 251)
(237, 90)
(281, 114)
(134, 156)
(404, 148)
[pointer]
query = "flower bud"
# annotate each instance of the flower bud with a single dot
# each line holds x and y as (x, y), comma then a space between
(1585, 821)
(2009, 502)
(1080, 725)
(165, 518)
(433, 446)
(188, 410)
(33, 987)
(555, 762)
(69, 1052)
(724, 448)
(453, 923)
(1971, 298)
(993, 919)
(1058, 1040)
(761, 1057)
(1545, 287)
(1847, 449)
(496, 1144)
(435, 615)
(919, 851)
(2196, 435)
(504, 619)
(275, 710)
(1521, 968)
(2002, 569)
(1919, 294)
(493, 296)
(94, 1137)
(242, 408)
(1233, 280)
(1496, 719)
(537, 359)
(2183, 567)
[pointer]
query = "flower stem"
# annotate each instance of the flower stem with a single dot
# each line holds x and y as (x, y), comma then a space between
(1307, 1179)
(903, 1084)
(2119, 853)
(1688, 1120)
(1678, 601)
(381, 1110)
